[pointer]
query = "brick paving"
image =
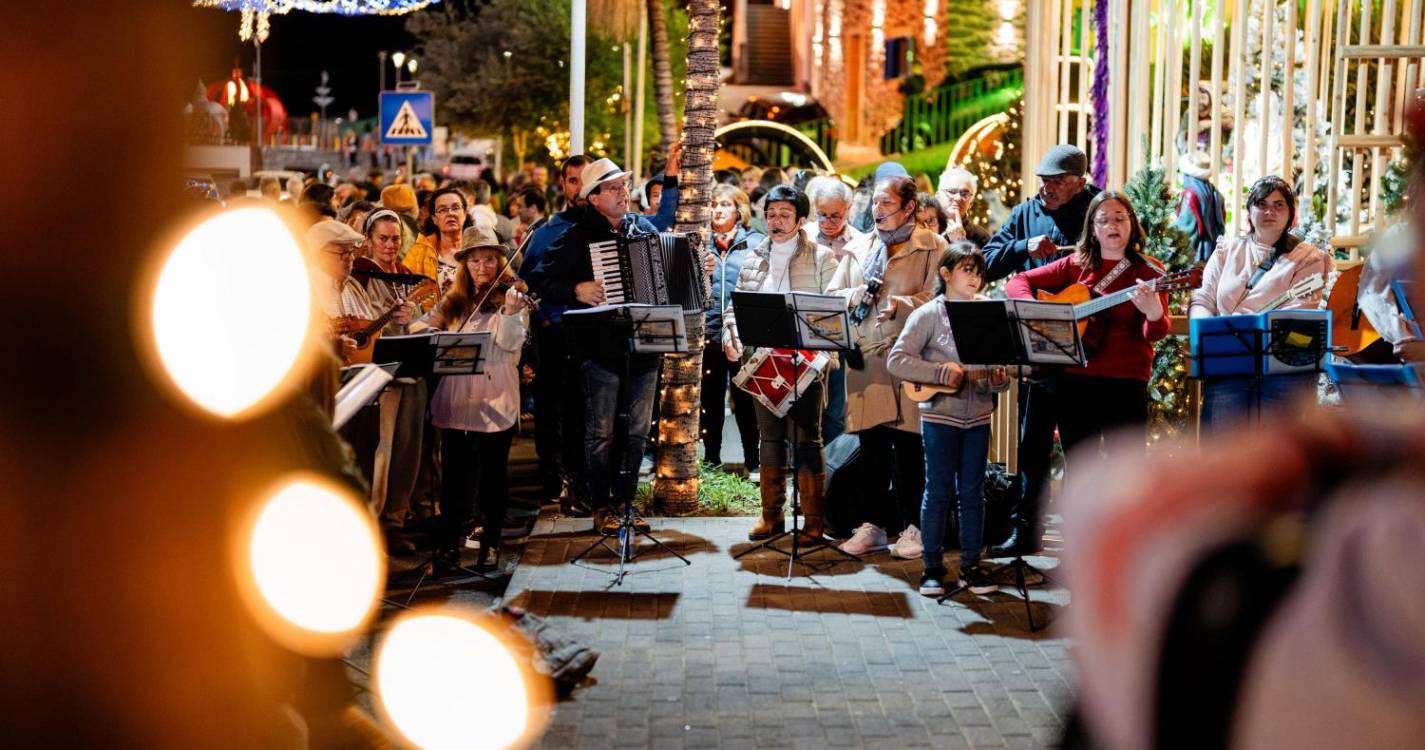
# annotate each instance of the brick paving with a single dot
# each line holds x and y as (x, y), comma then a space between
(730, 654)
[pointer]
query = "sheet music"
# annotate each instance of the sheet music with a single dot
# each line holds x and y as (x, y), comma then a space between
(1049, 330)
(821, 319)
(362, 387)
(460, 353)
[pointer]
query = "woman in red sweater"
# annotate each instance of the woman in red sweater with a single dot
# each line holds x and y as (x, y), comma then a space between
(1112, 389)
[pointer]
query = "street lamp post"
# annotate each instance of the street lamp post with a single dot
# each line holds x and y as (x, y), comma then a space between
(400, 59)
(411, 68)
(381, 76)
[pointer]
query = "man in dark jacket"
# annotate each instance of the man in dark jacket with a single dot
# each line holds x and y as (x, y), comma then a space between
(1039, 231)
(565, 277)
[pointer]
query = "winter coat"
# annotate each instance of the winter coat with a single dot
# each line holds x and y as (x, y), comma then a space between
(873, 395)
(725, 276)
(812, 269)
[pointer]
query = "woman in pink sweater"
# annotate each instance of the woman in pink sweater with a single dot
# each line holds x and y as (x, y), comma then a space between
(1245, 275)
(1112, 389)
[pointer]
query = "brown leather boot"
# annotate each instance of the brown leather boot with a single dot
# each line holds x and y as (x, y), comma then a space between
(774, 496)
(811, 487)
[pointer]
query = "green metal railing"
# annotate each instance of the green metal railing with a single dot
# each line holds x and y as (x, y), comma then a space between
(947, 111)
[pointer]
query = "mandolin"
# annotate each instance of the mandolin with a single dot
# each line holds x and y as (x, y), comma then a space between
(366, 332)
(1297, 291)
(1351, 331)
(1086, 306)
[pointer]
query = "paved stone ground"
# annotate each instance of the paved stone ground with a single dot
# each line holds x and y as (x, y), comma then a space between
(730, 654)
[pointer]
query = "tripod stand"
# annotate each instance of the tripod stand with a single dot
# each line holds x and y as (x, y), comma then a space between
(1021, 570)
(636, 332)
(800, 322)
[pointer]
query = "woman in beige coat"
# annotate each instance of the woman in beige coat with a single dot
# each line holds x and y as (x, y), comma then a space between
(787, 261)
(904, 258)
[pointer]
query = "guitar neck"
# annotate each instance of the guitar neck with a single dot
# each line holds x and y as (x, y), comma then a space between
(1098, 305)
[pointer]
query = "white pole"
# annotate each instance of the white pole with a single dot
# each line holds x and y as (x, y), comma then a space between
(576, 77)
(258, 75)
(638, 91)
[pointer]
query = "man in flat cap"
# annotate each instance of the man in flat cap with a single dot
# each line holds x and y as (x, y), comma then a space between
(1038, 231)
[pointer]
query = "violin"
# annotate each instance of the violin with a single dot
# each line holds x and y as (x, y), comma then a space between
(494, 296)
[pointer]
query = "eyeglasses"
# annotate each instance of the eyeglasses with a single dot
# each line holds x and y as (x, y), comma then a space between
(448, 210)
(823, 216)
(1101, 220)
(966, 194)
(347, 253)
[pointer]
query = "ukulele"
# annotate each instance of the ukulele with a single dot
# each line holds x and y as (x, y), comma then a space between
(1351, 331)
(1086, 306)
(366, 332)
(919, 392)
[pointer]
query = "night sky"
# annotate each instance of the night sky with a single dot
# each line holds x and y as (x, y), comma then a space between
(300, 47)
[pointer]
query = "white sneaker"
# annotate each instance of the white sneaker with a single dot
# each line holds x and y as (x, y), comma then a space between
(867, 538)
(908, 544)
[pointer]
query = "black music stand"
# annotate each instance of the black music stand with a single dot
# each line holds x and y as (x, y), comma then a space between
(420, 356)
(774, 320)
(1015, 333)
(628, 329)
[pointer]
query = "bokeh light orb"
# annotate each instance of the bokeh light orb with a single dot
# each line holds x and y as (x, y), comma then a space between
(446, 680)
(231, 310)
(311, 565)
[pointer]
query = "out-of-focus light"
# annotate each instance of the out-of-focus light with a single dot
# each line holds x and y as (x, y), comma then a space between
(310, 565)
(225, 349)
(445, 680)
(399, 58)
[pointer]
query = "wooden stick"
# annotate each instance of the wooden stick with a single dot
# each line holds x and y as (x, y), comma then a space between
(1195, 76)
(1218, 49)
(1411, 36)
(1357, 157)
(1313, 48)
(1338, 111)
(1086, 68)
(1288, 35)
(1264, 115)
(1382, 107)
(1239, 111)
(1159, 61)
(1138, 19)
(1175, 86)
(1066, 38)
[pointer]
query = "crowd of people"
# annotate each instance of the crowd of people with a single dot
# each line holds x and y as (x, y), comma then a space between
(512, 259)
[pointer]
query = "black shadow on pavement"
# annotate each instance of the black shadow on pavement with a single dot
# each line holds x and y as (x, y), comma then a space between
(828, 601)
(596, 605)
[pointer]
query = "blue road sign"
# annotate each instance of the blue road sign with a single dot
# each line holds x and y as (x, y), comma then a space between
(407, 118)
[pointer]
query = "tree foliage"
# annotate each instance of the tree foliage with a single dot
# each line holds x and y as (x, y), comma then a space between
(481, 91)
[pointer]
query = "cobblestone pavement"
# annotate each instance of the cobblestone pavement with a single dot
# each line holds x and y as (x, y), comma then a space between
(730, 654)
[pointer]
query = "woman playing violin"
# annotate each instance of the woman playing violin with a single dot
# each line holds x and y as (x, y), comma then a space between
(477, 414)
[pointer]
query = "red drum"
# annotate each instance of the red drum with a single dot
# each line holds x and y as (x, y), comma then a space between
(767, 376)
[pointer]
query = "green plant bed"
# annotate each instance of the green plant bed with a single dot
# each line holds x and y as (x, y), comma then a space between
(719, 494)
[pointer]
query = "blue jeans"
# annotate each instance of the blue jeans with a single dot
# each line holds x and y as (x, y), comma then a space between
(1226, 402)
(614, 480)
(954, 466)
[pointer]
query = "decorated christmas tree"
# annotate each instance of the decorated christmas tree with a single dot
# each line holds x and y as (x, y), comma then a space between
(1156, 205)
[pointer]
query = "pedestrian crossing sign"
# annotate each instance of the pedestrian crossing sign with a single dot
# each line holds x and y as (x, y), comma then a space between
(407, 118)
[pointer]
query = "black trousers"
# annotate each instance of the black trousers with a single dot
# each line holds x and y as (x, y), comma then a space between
(1092, 407)
(1038, 418)
(891, 457)
(558, 414)
(717, 380)
(474, 465)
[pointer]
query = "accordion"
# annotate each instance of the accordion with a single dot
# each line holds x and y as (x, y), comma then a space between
(652, 269)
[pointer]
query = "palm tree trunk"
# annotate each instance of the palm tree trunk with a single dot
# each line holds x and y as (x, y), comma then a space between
(662, 72)
(675, 489)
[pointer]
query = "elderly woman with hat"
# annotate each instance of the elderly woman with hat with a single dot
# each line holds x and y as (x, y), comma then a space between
(477, 414)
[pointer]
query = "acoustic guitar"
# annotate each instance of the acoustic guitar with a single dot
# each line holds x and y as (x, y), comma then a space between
(1351, 331)
(366, 332)
(1297, 291)
(1086, 306)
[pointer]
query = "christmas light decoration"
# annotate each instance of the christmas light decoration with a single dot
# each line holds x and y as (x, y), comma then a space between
(257, 14)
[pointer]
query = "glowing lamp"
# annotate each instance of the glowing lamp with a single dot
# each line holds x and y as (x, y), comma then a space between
(224, 353)
(310, 565)
(447, 680)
